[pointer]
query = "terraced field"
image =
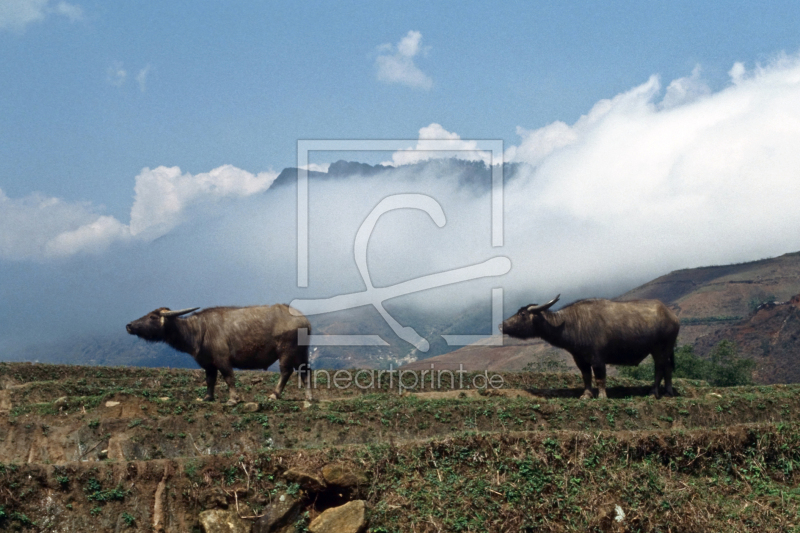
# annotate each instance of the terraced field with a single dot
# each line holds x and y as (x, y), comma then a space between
(132, 449)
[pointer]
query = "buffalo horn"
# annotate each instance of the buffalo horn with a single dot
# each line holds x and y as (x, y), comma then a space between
(171, 314)
(543, 307)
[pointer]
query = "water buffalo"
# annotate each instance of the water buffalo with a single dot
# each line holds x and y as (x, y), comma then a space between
(600, 332)
(224, 338)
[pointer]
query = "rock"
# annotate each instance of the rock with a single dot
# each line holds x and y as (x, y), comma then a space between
(111, 403)
(218, 521)
(250, 407)
(165, 398)
(61, 403)
(349, 518)
(344, 476)
(279, 514)
(309, 482)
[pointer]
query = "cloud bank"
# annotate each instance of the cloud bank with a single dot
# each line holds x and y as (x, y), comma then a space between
(649, 184)
(395, 64)
(660, 177)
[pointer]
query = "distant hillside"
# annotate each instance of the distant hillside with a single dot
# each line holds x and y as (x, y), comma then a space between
(110, 350)
(734, 302)
(474, 174)
(771, 336)
(703, 298)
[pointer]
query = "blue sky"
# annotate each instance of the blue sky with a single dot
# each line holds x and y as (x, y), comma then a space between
(240, 86)
(124, 126)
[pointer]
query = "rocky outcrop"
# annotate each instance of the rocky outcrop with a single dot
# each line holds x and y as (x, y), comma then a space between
(348, 518)
(279, 516)
(218, 521)
(308, 482)
(345, 478)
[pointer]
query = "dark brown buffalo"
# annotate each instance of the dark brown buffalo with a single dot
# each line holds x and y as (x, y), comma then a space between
(600, 332)
(224, 338)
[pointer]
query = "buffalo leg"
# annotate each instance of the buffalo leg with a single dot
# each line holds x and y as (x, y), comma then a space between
(659, 368)
(586, 372)
(305, 376)
(600, 377)
(286, 373)
(664, 362)
(211, 381)
(668, 381)
(227, 375)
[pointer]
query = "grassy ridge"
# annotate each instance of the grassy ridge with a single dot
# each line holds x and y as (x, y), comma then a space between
(530, 457)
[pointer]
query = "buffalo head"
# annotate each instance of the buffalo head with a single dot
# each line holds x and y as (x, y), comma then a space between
(151, 326)
(528, 322)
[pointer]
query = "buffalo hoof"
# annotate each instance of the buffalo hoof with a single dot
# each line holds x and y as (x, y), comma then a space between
(602, 394)
(208, 398)
(587, 395)
(655, 394)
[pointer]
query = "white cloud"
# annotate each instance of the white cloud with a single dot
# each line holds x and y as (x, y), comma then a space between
(16, 15)
(737, 72)
(141, 78)
(40, 227)
(164, 194)
(453, 147)
(72, 12)
(641, 186)
(396, 63)
(116, 74)
(37, 226)
(685, 90)
(93, 237)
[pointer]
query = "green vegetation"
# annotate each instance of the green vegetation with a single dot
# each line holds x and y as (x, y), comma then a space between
(723, 368)
(94, 492)
(693, 321)
(129, 520)
(756, 301)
